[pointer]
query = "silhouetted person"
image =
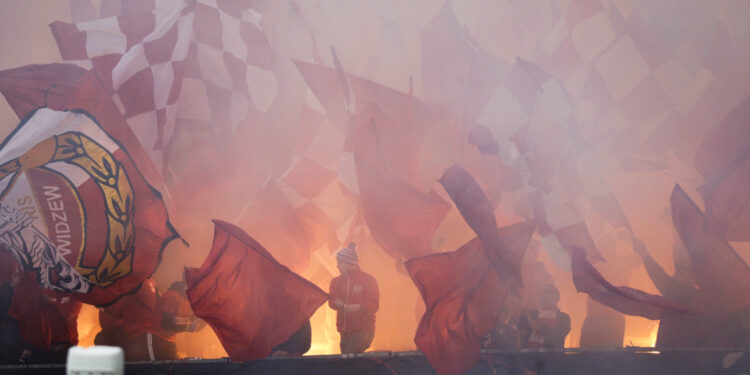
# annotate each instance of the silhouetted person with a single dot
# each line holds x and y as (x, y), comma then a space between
(547, 326)
(504, 336)
(11, 342)
(148, 322)
(355, 296)
(297, 344)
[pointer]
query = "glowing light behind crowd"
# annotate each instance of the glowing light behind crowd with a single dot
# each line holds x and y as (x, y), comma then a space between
(380, 41)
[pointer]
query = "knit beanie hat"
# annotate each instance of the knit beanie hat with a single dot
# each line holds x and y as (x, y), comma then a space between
(348, 254)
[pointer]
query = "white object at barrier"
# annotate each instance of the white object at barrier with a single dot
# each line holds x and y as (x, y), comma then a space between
(95, 360)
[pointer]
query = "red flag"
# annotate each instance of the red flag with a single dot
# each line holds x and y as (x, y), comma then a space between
(403, 121)
(719, 272)
(463, 295)
(724, 161)
(327, 85)
(457, 73)
(608, 206)
(252, 302)
(91, 96)
(728, 202)
(570, 231)
(481, 136)
(471, 202)
(725, 144)
(32, 86)
(623, 299)
(271, 219)
(44, 316)
(401, 218)
(477, 211)
(173, 63)
(98, 227)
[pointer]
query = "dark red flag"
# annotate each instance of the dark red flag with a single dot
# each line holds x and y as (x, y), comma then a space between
(464, 296)
(719, 272)
(724, 161)
(251, 301)
(403, 121)
(477, 211)
(725, 144)
(32, 86)
(728, 202)
(271, 219)
(481, 136)
(623, 299)
(464, 290)
(471, 202)
(457, 74)
(44, 316)
(113, 226)
(401, 218)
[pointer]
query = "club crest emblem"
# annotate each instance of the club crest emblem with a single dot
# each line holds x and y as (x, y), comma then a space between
(66, 211)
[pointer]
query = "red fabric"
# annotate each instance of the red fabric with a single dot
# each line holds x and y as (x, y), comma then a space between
(251, 301)
(403, 121)
(137, 313)
(173, 313)
(609, 208)
(721, 275)
(152, 229)
(492, 174)
(161, 63)
(471, 202)
(481, 136)
(725, 144)
(569, 236)
(273, 221)
(360, 288)
(476, 209)
(401, 218)
(727, 199)
(25, 88)
(457, 74)
(463, 296)
(89, 95)
(577, 235)
(626, 300)
(723, 159)
(8, 266)
(44, 316)
(464, 290)
(174, 303)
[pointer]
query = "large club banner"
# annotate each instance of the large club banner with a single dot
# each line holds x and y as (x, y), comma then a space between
(75, 209)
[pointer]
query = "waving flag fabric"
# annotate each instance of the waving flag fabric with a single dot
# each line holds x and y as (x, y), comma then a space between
(464, 294)
(464, 290)
(401, 218)
(174, 61)
(32, 86)
(75, 208)
(723, 159)
(252, 302)
(623, 299)
(44, 316)
(720, 273)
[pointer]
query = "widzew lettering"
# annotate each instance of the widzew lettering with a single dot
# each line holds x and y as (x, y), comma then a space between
(60, 229)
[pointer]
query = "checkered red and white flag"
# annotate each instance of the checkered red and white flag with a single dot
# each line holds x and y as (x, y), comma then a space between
(174, 63)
